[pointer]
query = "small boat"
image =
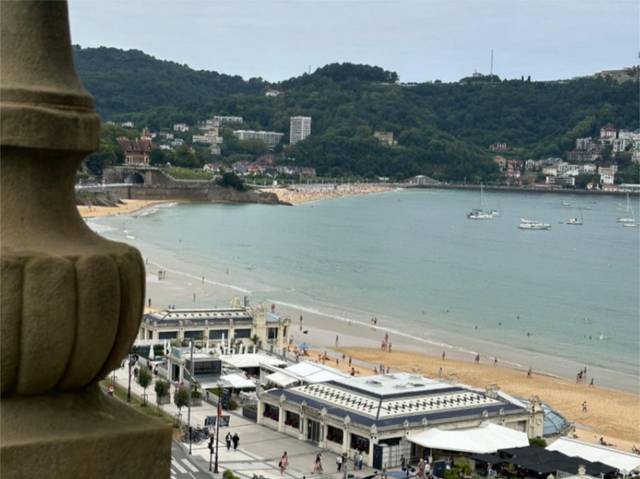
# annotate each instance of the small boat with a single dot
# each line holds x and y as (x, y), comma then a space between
(482, 213)
(533, 225)
(479, 215)
(575, 221)
(630, 225)
(629, 218)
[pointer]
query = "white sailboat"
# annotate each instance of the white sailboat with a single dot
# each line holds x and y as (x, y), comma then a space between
(482, 213)
(628, 218)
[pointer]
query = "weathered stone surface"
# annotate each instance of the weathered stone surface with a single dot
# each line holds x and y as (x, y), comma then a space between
(71, 301)
(81, 435)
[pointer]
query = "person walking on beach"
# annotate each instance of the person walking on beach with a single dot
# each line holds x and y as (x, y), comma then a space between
(337, 340)
(300, 322)
(529, 372)
(478, 358)
(236, 441)
(317, 465)
(495, 361)
(284, 462)
(444, 355)
(584, 407)
(349, 361)
(227, 441)
(389, 346)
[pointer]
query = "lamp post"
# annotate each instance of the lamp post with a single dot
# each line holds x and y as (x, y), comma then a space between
(191, 387)
(129, 385)
(219, 415)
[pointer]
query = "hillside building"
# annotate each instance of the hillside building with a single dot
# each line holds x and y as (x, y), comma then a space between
(385, 137)
(270, 138)
(299, 128)
(136, 152)
(227, 120)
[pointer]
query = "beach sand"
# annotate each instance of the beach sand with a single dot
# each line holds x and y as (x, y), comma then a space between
(127, 207)
(297, 194)
(612, 414)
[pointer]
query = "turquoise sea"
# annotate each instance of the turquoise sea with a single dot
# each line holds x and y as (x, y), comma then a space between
(566, 297)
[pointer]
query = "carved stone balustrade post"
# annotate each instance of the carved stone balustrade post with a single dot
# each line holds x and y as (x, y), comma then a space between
(71, 301)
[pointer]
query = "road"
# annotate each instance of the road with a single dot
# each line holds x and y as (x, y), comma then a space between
(184, 466)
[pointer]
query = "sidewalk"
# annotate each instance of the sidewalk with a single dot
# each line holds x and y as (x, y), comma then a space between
(259, 449)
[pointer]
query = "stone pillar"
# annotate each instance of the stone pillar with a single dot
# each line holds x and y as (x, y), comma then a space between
(71, 301)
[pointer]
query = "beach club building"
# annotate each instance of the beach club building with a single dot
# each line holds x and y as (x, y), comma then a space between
(390, 415)
(219, 325)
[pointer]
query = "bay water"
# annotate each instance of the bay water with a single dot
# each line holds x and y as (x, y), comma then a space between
(413, 260)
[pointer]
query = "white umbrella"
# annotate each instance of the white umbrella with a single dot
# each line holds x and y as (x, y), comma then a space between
(152, 354)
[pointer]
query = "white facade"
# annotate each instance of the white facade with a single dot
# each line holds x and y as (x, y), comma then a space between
(270, 138)
(181, 127)
(607, 179)
(299, 128)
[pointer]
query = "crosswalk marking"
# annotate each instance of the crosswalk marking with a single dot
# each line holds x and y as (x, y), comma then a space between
(186, 462)
(178, 467)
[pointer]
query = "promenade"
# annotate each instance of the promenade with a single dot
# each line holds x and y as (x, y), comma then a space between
(259, 447)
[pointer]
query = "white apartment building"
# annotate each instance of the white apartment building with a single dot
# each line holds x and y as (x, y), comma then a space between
(209, 138)
(299, 128)
(221, 119)
(181, 127)
(270, 138)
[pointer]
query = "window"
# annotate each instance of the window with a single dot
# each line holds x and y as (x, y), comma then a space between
(242, 333)
(272, 334)
(218, 333)
(271, 412)
(168, 335)
(360, 443)
(335, 434)
(193, 334)
(292, 419)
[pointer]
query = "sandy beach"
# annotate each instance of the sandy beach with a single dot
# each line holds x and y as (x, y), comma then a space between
(126, 207)
(297, 194)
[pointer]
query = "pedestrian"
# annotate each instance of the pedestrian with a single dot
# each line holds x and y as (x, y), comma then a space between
(478, 358)
(443, 355)
(284, 462)
(495, 361)
(440, 372)
(349, 361)
(337, 340)
(584, 407)
(403, 462)
(529, 372)
(389, 346)
(360, 460)
(149, 302)
(591, 382)
(300, 322)
(317, 465)
(236, 440)
(227, 441)
(339, 462)
(421, 469)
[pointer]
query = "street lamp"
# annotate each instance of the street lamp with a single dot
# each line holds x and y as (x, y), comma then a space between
(191, 380)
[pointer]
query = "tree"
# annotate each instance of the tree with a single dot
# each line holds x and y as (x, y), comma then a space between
(231, 180)
(144, 379)
(181, 398)
(583, 180)
(161, 388)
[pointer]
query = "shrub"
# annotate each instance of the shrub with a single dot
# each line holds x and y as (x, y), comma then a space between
(161, 387)
(181, 397)
(537, 442)
(228, 474)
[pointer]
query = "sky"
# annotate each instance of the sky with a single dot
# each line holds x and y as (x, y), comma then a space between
(422, 40)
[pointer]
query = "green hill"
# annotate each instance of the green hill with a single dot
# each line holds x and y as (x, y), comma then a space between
(442, 129)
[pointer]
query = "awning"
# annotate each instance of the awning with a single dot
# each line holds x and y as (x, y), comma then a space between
(251, 360)
(236, 381)
(486, 438)
(281, 379)
(621, 460)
